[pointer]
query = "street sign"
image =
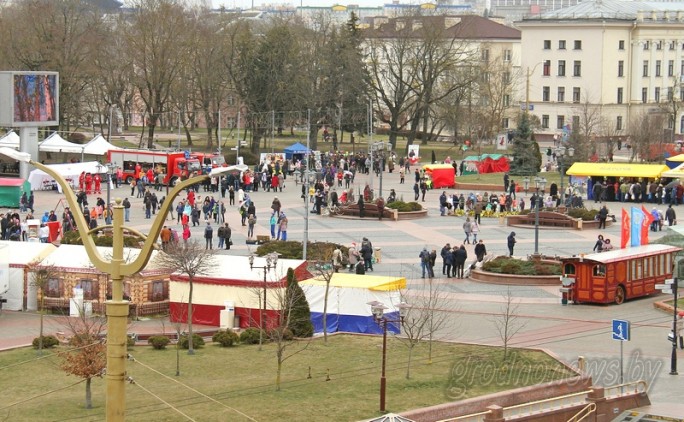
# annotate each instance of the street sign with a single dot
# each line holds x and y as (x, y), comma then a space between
(663, 286)
(620, 330)
(666, 291)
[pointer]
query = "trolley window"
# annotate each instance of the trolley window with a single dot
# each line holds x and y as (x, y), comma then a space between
(599, 270)
(648, 265)
(569, 269)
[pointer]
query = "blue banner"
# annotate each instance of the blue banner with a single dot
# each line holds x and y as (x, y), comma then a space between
(635, 228)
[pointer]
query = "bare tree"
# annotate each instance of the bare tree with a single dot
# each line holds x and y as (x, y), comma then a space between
(645, 130)
(87, 358)
(190, 259)
(40, 278)
(508, 321)
(325, 269)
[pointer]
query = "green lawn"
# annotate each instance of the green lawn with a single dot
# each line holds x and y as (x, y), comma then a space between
(243, 378)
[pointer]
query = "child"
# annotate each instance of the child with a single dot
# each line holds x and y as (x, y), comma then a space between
(401, 176)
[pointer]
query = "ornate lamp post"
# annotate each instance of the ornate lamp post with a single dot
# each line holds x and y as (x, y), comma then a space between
(378, 310)
(537, 200)
(117, 268)
(526, 183)
(270, 264)
(561, 153)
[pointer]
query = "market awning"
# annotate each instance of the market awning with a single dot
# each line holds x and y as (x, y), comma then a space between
(677, 172)
(371, 282)
(617, 169)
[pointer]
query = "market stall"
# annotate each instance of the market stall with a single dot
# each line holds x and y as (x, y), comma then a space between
(10, 140)
(485, 163)
(612, 173)
(296, 151)
(16, 281)
(99, 146)
(11, 190)
(442, 175)
(40, 180)
(232, 280)
(348, 297)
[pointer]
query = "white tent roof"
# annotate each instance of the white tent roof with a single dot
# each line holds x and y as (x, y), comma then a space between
(10, 140)
(70, 171)
(233, 267)
(23, 253)
(98, 146)
(55, 143)
(74, 258)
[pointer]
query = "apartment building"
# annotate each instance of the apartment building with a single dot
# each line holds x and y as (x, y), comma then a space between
(622, 58)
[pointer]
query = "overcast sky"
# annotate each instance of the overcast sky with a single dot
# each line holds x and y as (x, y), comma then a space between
(246, 4)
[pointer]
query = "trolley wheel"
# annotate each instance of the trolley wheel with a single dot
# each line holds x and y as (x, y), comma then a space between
(129, 179)
(619, 295)
(173, 181)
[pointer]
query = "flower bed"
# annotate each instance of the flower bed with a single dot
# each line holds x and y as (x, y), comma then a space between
(506, 270)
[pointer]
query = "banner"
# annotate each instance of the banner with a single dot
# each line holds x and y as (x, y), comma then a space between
(624, 229)
(637, 217)
(646, 225)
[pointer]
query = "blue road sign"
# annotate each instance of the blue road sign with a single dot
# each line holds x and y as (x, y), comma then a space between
(620, 330)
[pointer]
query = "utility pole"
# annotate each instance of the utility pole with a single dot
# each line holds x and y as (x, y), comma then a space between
(306, 186)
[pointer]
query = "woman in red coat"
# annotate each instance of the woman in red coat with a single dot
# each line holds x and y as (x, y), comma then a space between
(274, 182)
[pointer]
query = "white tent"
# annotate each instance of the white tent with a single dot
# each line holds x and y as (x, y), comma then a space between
(70, 171)
(98, 146)
(55, 143)
(13, 276)
(10, 140)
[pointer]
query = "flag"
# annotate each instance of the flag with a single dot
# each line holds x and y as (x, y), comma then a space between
(646, 225)
(624, 229)
(637, 217)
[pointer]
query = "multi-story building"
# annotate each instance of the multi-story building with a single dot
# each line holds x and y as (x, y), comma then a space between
(615, 60)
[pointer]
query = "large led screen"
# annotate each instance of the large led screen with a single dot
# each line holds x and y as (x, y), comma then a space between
(35, 98)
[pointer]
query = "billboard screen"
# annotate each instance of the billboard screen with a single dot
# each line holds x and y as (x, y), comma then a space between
(29, 99)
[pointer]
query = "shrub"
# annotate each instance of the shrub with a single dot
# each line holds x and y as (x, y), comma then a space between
(284, 334)
(506, 265)
(250, 336)
(317, 251)
(583, 213)
(197, 341)
(405, 206)
(48, 342)
(159, 342)
(226, 338)
(73, 238)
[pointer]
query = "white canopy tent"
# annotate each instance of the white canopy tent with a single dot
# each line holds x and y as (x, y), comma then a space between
(70, 171)
(55, 143)
(98, 146)
(10, 140)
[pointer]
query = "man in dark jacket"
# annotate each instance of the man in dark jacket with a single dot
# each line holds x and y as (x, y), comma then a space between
(367, 254)
(480, 250)
(460, 256)
(446, 266)
(511, 243)
(670, 215)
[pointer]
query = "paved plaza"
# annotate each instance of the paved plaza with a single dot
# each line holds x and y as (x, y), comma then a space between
(568, 331)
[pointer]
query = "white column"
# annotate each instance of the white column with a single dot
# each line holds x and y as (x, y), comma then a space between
(28, 141)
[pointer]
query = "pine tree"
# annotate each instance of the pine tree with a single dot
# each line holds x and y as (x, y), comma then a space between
(527, 158)
(300, 313)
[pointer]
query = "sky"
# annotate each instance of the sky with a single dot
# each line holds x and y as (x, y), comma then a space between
(246, 4)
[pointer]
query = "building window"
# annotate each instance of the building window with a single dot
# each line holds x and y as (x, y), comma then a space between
(547, 44)
(545, 121)
(644, 95)
(547, 68)
(506, 78)
(577, 68)
(656, 95)
(657, 70)
(670, 94)
(575, 121)
(561, 44)
(619, 96)
(561, 67)
(681, 93)
(673, 45)
(158, 290)
(647, 45)
(618, 123)
(621, 45)
(546, 93)
(560, 122)
(576, 96)
(670, 68)
(645, 72)
(91, 289)
(507, 55)
(506, 100)
(561, 94)
(485, 55)
(621, 68)
(504, 123)
(230, 100)
(681, 125)
(53, 288)
(578, 45)
(659, 45)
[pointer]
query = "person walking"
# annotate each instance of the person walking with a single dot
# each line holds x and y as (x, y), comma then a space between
(446, 268)
(186, 233)
(221, 234)
(460, 257)
(367, 253)
(282, 227)
(603, 215)
(209, 236)
(474, 229)
(467, 229)
(670, 215)
(251, 222)
(227, 234)
(598, 246)
(424, 256)
(273, 222)
(511, 243)
(352, 257)
(480, 251)
(127, 209)
(416, 191)
(380, 203)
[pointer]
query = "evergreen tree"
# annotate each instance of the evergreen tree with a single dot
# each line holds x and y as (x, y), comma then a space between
(299, 314)
(527, 159)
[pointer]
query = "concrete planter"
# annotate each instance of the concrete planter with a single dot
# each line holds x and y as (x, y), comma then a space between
(514, 280)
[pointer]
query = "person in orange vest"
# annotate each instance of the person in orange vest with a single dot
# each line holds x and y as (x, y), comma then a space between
(98, 183)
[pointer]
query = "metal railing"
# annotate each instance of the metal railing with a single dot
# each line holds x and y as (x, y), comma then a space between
(538, 406)
(582, 414)
(631, 387)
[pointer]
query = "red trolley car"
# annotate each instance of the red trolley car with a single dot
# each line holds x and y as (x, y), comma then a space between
(616, 275)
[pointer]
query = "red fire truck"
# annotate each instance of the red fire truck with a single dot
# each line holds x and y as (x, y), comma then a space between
(209, 161)
(173, 165)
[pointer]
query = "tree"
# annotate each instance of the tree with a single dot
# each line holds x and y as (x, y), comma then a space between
(646, 131)
(508, 321)
(325, 270)
(40, 278)
(190, 259)
(299, 311)
(527, 158)
(87, 357)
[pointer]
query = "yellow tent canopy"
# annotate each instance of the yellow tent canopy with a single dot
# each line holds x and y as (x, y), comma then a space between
(617, 169)
(675, 172)
(370, 282)
(677, 158)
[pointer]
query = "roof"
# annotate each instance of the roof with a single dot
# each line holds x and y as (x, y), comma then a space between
(230, 268)
(620, 254)
(482, 157)
(471, 27)
(10, 140)
(617, 169)
(354, 281)
(11, 181)
(74, 258)
(23, 253)
(98, 146)
(608, 9)
(675, 172)
(55, 143)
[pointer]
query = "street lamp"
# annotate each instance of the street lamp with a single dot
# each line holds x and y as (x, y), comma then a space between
(271, 261)
(378, 310)
(117, 268)
(561, 153)
(310, 178)
(111, 167)
(526, 183)
(538, 182)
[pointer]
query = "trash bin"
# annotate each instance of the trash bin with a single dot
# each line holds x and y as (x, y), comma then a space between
(378, 255)
(237, 322)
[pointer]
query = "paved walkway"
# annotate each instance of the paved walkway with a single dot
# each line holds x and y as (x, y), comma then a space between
(568, 331)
